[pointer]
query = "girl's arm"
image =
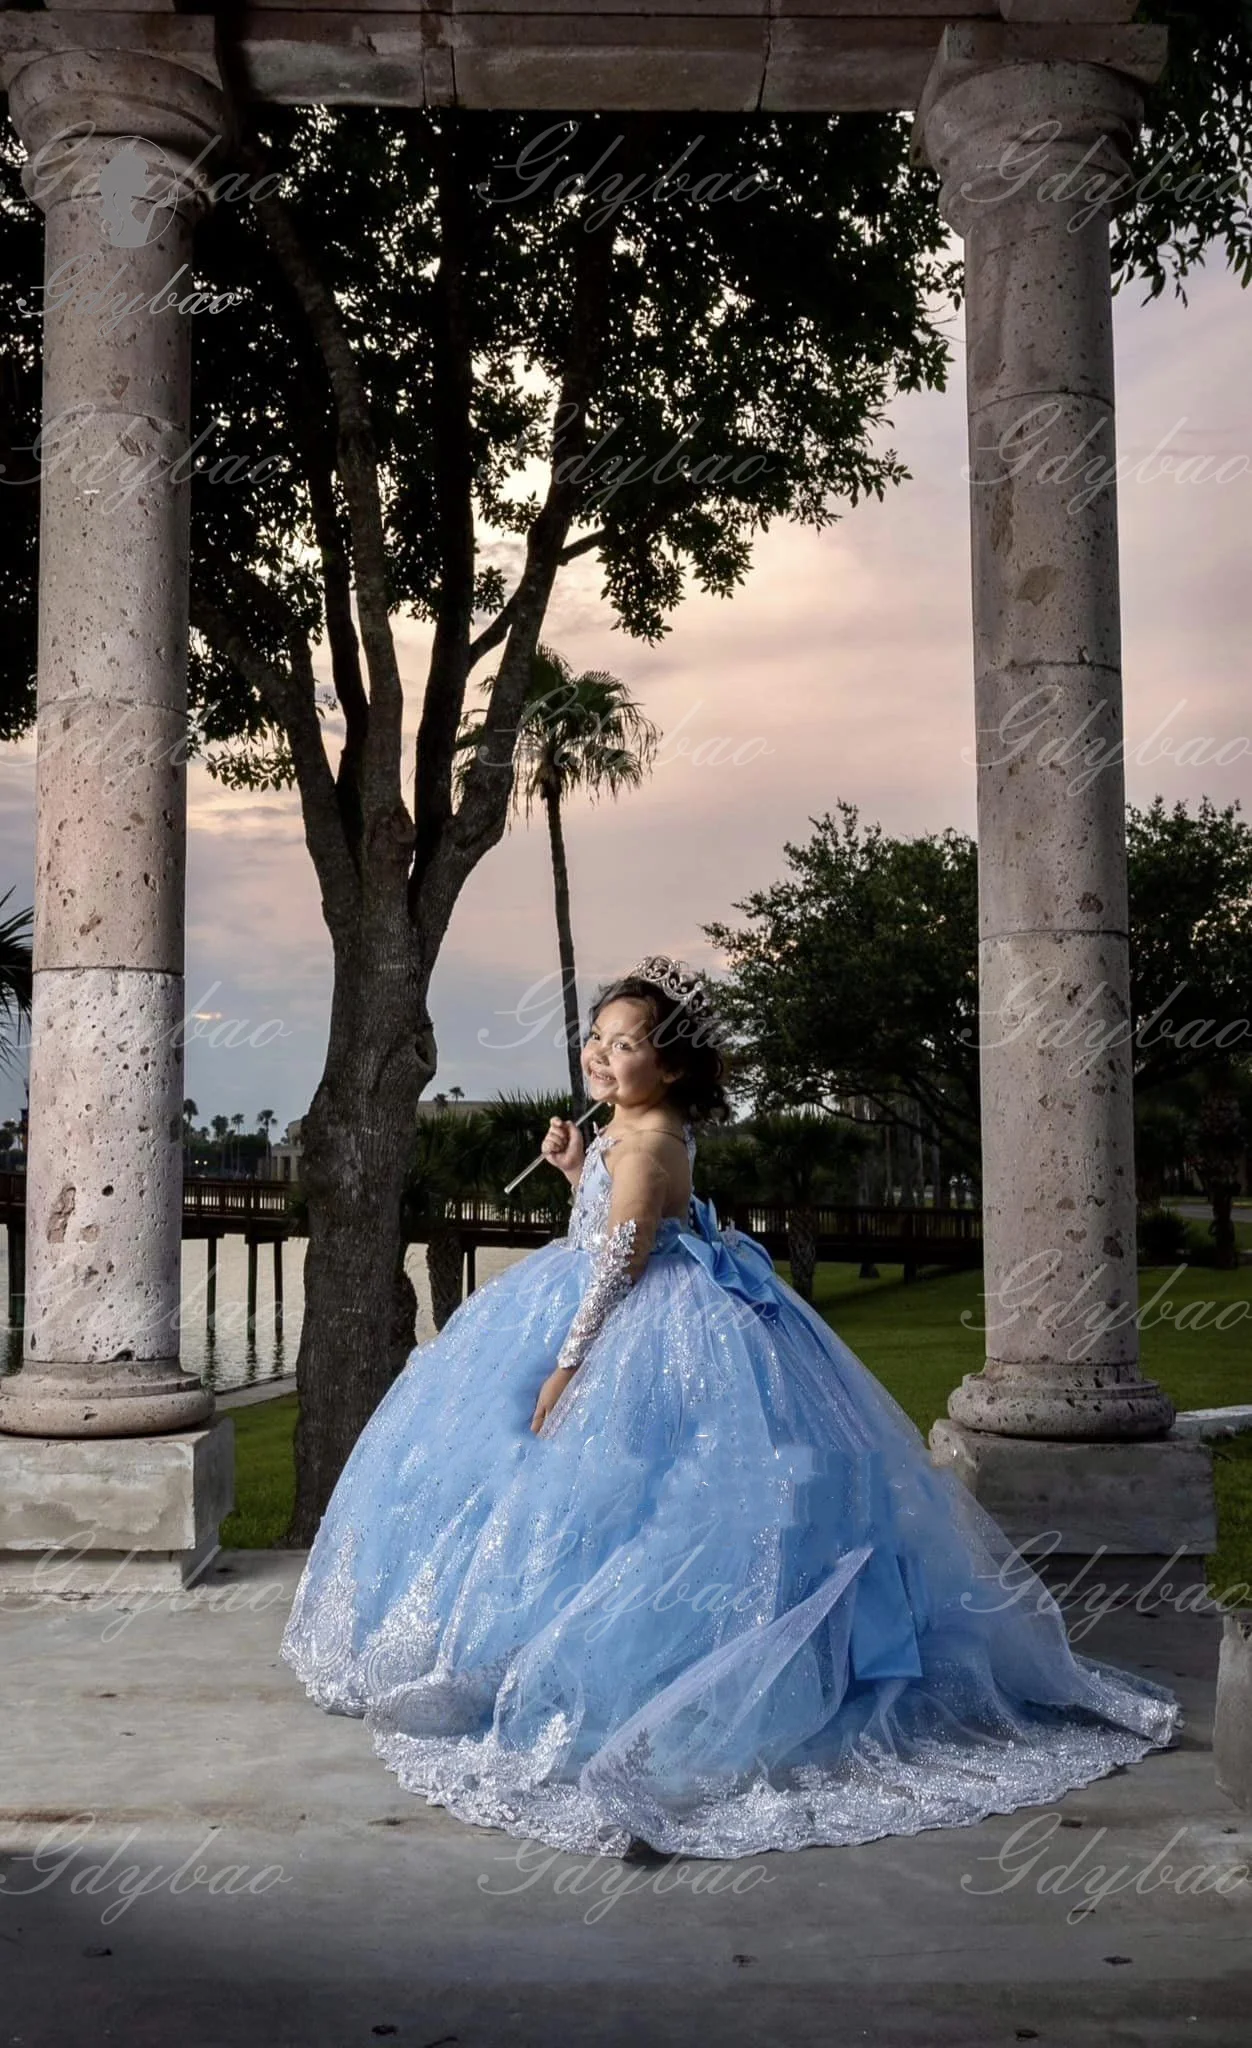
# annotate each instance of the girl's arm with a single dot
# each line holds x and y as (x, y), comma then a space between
(637, 1203)
(640, 1186)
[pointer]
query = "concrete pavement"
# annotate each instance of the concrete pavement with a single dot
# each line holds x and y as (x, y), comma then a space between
(284, 1889)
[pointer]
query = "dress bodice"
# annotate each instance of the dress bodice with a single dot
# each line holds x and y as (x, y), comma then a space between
(590, 1209)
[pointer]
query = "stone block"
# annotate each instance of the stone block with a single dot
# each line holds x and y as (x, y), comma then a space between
(115, 1514)
(616, 62)
(869, 63)
(1232, 1724)
(1209, 1422)
(1144, 1499)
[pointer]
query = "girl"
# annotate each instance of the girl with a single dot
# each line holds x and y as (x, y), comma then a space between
(636, 1551)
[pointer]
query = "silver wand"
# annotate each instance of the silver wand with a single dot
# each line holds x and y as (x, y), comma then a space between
(542, 1156)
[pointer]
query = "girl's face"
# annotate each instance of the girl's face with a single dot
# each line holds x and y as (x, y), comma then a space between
(620, 1060)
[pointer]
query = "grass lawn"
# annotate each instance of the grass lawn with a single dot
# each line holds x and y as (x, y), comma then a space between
(265, 1475)
(916, 1342)
(919, 1339)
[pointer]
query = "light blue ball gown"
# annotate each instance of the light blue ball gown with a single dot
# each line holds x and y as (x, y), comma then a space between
(722, 1601)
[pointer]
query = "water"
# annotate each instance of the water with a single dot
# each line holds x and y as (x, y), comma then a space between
(227, 1358)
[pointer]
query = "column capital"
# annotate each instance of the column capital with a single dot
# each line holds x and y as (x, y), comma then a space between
(188, 40)
(1030, 119)
(82, 112)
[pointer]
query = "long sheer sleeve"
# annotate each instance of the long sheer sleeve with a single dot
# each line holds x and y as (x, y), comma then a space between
(639, 1186)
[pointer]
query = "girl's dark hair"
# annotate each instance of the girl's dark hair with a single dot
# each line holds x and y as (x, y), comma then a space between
(686, 1041)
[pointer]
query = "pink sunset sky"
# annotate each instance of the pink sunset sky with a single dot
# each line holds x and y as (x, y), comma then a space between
(841, 670)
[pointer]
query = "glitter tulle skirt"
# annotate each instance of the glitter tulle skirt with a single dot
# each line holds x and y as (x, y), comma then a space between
(722, 1602)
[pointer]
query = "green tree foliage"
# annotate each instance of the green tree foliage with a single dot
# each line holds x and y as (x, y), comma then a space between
(1190, 937)
(1189, 182)
(857, 974)
(728, 357)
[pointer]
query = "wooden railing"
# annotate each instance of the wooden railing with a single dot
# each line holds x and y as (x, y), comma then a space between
(231, 1205)
(944, 1228)
(905, 1237)
(908, 1237)
(237, 1198)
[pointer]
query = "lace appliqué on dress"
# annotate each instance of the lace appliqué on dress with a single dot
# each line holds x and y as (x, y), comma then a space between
(610, 1282)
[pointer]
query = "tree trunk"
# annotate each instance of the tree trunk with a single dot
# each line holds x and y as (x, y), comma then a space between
(357, 1140)
(404, 1326)
(1219, 1157)
(445, 1262)
(565, 944)
(802, 1249)
(1221, 1197)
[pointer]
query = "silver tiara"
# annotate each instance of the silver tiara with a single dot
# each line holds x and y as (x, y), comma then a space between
(677, 980)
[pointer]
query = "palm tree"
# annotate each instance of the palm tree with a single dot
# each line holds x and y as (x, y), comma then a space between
(576, 732)
(16, 978)
(238, 1121)
(265, 1118)
(514, 1127)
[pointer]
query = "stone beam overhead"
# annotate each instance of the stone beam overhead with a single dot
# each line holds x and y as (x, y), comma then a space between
(1068, 10)
(787, 56)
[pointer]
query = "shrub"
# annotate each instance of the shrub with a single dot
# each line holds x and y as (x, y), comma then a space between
(1164, 1239)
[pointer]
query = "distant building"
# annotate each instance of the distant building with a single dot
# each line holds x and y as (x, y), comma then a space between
(286, 1154)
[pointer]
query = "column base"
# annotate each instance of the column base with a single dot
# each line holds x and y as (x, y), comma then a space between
(1152, 1499)
(1101, 1403)
(144, 1397)
(122, 1514)
(1232, 1725)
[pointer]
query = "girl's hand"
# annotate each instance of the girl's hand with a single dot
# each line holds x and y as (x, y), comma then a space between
(563, 1147)
(549, 1394)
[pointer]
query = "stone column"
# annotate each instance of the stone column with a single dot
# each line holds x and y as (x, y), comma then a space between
(1057, 1127)
(113, 137)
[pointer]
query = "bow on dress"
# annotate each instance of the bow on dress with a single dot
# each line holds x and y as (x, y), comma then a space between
(739, 1263)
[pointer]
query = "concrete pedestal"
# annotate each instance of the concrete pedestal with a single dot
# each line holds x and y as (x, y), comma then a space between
(1152, 1499)
(116, 1514)
(1232, 1722)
